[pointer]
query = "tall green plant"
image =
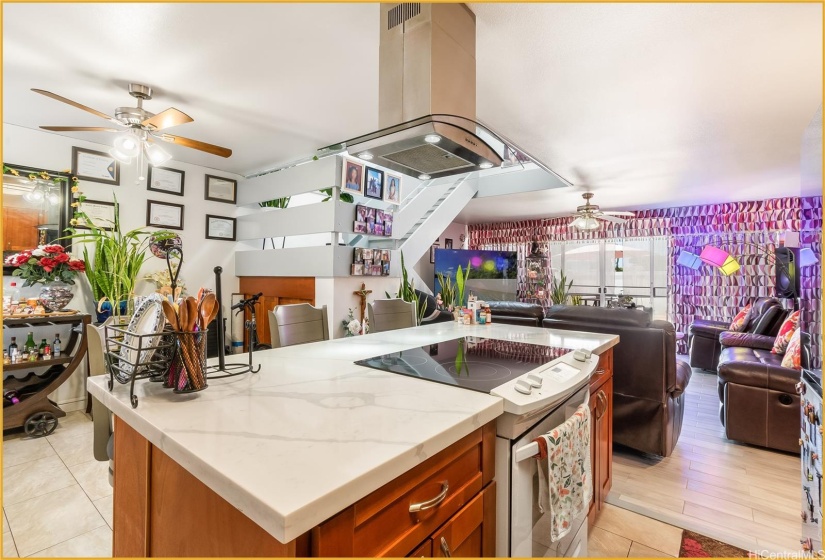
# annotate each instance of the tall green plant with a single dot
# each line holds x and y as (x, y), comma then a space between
(448, 290)
(118, 256)
(559, 288)
(406, 291)
(461, 284)
(276, 202)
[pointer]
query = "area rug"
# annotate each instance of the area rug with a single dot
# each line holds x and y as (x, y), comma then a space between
(695, 545)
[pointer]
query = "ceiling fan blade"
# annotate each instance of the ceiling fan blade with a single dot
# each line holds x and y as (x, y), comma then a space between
(167, 119)
(202, 146)
(612, 219)
(630, 214)
(79, 128)
(78, 105)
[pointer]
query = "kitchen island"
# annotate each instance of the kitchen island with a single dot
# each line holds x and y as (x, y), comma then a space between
(292, 446)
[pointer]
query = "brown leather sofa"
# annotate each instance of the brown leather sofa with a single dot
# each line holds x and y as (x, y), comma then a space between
(516, 313)
(648, 380)
(760, 405)
(765, 318)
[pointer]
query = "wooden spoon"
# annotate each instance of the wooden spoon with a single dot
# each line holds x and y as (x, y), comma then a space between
(191, 313)
(183, 317)
(208, 310)
(170, 314)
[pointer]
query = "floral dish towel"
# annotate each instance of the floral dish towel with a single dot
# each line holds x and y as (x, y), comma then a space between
(565, 481)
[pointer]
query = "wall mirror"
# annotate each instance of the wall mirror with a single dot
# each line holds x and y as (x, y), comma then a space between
(35, 211)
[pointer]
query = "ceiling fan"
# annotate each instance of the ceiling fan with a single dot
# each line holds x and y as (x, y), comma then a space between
(139, 128)
(587, 215)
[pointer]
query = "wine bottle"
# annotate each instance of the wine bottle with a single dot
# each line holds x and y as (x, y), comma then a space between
(13, 346)
(42, 348)
(30, 345)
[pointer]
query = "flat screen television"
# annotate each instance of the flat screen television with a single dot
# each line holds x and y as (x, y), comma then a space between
(493, 274)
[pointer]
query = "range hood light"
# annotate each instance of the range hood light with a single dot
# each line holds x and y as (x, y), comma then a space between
(366, 156)
(432, 138)
(424, 177)
(485, 165)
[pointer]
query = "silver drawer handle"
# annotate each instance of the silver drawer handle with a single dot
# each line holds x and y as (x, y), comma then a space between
(429, 504)
(445, 548)
(599, 372)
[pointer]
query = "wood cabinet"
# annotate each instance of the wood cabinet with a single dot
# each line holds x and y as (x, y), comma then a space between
(445, 503)
(601, 433)
(276, 291)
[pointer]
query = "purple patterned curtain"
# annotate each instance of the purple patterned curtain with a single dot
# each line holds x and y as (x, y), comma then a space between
(748, 230)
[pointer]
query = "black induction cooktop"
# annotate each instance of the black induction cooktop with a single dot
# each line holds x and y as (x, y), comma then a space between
(470, 362)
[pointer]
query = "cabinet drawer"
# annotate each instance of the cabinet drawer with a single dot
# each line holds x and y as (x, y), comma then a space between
(461, 535)
(604, 370)
(423, 551)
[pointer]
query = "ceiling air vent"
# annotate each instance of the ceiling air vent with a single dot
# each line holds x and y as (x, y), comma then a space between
(402, 12)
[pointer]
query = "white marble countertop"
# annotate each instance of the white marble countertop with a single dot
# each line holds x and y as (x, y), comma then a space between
(312, 432)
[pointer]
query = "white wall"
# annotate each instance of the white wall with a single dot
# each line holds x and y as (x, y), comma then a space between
(426, 269)
(38, 149)
(337, 294)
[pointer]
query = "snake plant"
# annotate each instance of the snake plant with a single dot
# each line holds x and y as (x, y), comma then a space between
(559, 288)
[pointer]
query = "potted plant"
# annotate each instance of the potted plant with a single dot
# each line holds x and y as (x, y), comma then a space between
(559, 288)
(117, 258)
(51, 266)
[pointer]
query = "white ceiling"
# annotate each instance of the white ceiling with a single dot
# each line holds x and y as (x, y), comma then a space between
(654, 104)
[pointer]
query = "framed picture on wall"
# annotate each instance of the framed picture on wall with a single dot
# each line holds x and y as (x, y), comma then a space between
(392, 190)
(100, 167)
(165, 180)
(164, 214)
(221, 189)
(353, 177)
(98, 212)
(432, 252)
(374, 183)
(448, 243)
(220, 227)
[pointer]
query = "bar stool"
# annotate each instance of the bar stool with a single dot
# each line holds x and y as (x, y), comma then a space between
(391, 314)
(299, 323)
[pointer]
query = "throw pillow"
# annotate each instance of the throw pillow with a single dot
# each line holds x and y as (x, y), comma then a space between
(785, 333)
(793, 355)
(741, 319)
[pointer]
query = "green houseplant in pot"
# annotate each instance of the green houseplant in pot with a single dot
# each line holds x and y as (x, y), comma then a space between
(116, 257)
(559, 288)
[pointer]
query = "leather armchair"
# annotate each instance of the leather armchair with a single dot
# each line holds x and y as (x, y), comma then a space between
(765, 318)
(516, 313)
(760, 405)
(648, 380)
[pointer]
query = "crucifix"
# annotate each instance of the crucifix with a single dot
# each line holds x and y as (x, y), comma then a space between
(363, 293)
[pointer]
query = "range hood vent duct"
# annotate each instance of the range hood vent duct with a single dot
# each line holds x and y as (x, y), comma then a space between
(401, 13)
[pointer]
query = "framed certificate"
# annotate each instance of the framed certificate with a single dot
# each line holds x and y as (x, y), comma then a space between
(220, 227)
(166, 180)
(221, 189)
(100, 167)
(98, 212)
(164, 214)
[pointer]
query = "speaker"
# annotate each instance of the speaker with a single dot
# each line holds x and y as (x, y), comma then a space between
(787, 272)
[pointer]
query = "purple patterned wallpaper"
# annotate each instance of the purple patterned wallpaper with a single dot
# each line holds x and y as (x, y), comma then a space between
(749, 230)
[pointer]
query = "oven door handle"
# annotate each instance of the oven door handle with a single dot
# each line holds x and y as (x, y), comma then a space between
(430, 504)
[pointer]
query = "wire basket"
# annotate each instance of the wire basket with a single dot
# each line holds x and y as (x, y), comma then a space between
(143, 356)
(187, 373)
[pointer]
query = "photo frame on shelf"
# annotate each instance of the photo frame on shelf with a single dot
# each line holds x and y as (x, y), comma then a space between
(432, 252)
(448, 243)
(357, 269)
(221, 189)
(358, 255)
(91, 165)
(392, 190)
(220, 227)
(359, 227)
(165, 215)
(374, 183)
(165, 180)
(99, 212)
(352, 178)
(388, 224)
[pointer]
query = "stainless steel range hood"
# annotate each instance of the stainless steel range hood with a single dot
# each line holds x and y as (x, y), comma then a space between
(427, 96)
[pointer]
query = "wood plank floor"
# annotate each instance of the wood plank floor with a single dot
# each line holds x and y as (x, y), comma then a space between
(742, 495)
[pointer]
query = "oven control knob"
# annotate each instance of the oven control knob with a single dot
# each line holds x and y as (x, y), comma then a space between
(523, 387)
(587, 353)
(534, 380)
(579, 356)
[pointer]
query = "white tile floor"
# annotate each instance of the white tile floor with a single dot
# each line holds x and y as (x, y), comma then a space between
(57, 501)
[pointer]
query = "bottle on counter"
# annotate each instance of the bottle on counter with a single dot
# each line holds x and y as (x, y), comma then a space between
(33, 355)
(6, 358)
(42, 348)
(13, 346)
(56, 347)
(12, 297)
(30, 345)
(47, 352)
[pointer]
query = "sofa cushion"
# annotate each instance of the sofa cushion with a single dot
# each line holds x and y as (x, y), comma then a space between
(748, 340)
(786, 331)
(755, 368)
(517, 309)
(741, 319)
(793, 355)
(683, 373)
(619, 316)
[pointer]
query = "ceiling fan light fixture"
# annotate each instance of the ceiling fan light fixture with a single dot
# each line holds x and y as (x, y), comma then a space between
(157, 155)
(121, 157)
(128, 144)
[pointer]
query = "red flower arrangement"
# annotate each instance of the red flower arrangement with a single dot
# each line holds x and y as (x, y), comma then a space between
(46, 264)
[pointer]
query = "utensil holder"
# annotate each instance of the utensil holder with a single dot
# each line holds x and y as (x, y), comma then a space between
(191, 359)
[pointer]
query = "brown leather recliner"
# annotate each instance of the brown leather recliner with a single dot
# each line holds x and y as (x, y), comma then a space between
(648, 380)
(760, 404)
(765, 318)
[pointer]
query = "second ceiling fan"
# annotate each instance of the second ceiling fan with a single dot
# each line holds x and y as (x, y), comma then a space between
(140, 128)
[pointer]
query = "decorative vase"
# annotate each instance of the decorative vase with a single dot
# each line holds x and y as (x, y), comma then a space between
(55, 296)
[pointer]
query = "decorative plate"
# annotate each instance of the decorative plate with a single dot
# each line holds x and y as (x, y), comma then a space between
(148, 319)
(159, 247)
